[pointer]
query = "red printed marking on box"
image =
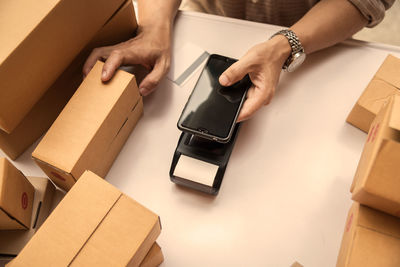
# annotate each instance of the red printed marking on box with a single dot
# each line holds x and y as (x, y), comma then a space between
(24, 200)
(350, 221)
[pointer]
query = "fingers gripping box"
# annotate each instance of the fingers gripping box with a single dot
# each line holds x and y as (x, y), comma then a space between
(91, 129)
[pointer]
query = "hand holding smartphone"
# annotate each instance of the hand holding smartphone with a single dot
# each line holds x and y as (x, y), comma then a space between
(212, 109)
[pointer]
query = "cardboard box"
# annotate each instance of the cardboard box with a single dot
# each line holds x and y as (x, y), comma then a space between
(12, 241)
(153, 258)
(296, 264)
(16, 198)
(119, 28)
(40, 46)
(94, 225)
(371, 239)
(377, 179)
(385, 83)
(92, 128)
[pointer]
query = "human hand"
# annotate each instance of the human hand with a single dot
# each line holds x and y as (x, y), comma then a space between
(150, 48)
(263, 62)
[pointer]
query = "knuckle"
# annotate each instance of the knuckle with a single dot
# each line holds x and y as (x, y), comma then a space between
(116, 53)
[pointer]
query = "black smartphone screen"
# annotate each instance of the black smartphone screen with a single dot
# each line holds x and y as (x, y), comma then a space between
(212, 109)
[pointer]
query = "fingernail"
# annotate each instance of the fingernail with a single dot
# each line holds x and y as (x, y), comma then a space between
(223, 80)
(104, 74)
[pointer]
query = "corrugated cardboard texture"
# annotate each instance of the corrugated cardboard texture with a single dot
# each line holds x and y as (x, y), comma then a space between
(16, 197)
(377, 179)
(94, 225)
(12, 241)
(47, 28)
(154, 257)
(371, 239)
(119, 28)
(384, 84)
(107, 114)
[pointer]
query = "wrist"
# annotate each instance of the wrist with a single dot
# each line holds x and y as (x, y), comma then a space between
(280, 47)
(297, 55)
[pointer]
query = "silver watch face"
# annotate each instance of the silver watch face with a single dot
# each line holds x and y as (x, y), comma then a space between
(296, 60)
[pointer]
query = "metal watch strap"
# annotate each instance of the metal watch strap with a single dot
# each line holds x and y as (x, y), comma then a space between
(293, 40)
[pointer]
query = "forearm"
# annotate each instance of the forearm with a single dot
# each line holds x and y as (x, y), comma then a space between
(327, 23)
(157, 13)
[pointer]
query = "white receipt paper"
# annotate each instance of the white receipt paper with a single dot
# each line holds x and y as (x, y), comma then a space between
(186, 59)
(196, 170)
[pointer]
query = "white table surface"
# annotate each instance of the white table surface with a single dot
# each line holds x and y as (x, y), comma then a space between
(285, 194)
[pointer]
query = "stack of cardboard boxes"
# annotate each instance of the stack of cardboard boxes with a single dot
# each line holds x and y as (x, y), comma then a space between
(95, 225)
(42, 59)
(25, 203)
(87, 123)
(372, 230)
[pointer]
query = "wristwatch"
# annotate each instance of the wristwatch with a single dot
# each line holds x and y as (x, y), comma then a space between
(297, 56)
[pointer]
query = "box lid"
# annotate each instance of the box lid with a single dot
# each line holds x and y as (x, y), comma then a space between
(377, 221)
(94, 223)
(68, 137)
(390, 71)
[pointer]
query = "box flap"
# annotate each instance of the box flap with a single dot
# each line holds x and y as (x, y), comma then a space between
(377, 221)
(91, 103)
(130, 227)
(376, 93)
(371, 248)
(390, 71)
(71, 224)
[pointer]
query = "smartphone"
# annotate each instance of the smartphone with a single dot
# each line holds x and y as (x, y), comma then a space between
(211, 110)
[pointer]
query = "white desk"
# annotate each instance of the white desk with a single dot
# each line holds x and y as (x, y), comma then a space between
(285, 195)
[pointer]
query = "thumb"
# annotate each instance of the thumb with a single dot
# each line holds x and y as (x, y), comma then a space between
(233, 74)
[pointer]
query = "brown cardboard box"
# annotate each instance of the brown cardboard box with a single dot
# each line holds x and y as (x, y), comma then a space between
(153, 258)
(371, 239)
(296, 264)
(385, 83)
(94, 225)
(377, 179)
(16, 197)
(42, 39)
(12, 241)
(91, 129)
(39, 119)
